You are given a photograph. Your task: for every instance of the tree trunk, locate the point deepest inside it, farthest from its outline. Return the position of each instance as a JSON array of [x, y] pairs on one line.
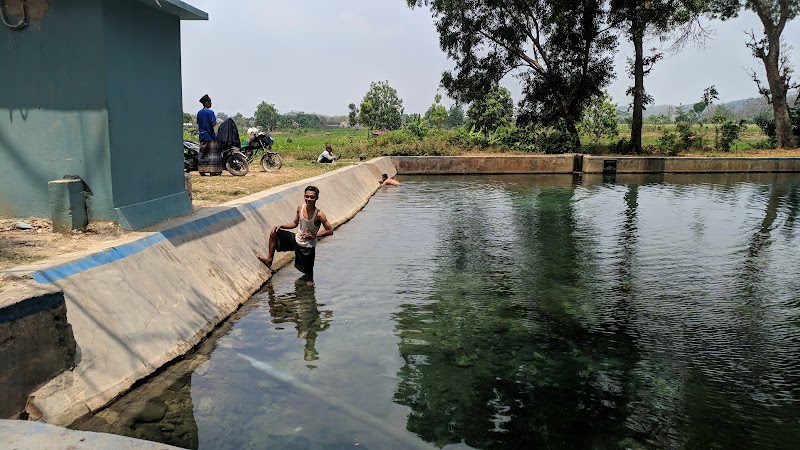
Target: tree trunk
[[780, 107], [574, 136], [637, 36], [777, 86]]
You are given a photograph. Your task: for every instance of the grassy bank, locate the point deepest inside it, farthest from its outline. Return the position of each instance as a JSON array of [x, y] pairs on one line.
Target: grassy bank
[[354, 144]]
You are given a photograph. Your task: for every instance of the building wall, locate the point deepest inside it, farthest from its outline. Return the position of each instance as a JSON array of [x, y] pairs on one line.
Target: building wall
[[53, 115], [93, 88], [143, 64]]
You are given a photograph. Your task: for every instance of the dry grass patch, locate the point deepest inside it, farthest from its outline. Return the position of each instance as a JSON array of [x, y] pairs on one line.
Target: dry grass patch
[[212, 191]]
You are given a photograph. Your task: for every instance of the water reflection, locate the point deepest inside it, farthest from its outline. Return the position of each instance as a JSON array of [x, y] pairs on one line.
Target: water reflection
[[584, 332], [301, 309], [516, 311]]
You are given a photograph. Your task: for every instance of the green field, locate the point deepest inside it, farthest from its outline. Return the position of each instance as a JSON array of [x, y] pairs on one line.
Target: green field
[[354, 144]]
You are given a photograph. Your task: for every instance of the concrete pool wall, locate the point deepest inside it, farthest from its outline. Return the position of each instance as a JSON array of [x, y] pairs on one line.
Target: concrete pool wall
[[138, 305], [143, 302]]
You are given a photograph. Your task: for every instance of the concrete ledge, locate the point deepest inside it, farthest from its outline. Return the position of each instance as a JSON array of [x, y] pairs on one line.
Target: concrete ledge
[[36, 342], [430, 165], [636, 164], [136, 306], [41, 436]]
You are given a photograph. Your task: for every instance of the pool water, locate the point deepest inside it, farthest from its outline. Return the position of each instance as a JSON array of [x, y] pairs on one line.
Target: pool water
[[507, 312]]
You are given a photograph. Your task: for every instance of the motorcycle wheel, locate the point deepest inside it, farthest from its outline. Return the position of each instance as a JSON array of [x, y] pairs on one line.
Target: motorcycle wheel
[[271, 163], [237, 165]]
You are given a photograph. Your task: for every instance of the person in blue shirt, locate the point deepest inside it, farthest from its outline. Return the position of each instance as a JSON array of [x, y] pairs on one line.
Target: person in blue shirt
[[210, 160]]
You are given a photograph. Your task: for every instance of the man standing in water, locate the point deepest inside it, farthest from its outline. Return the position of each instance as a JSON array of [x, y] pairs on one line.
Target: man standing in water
[[309, 219]]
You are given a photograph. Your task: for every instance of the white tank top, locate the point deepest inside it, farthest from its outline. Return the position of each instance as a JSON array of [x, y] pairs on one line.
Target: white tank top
[[307, 225]]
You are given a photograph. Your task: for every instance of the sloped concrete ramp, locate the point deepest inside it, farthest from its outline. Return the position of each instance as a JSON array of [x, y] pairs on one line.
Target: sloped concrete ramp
[[138, 305]]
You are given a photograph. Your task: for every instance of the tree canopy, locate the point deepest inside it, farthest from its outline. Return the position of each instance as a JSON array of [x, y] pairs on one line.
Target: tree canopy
[[559, 49], [491, 111], [436, 114], [773, 14], [381, 108], [637, 20], [266, 116]]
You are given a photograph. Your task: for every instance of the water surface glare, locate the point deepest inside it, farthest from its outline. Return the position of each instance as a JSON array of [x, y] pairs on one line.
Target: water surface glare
[[508, 312]]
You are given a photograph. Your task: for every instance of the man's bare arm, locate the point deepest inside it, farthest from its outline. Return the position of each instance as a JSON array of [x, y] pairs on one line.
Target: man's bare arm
[[323, 219], [289, 226]]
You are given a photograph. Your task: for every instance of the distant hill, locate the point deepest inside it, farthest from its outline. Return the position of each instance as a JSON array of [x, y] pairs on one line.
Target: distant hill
[[746, 108]]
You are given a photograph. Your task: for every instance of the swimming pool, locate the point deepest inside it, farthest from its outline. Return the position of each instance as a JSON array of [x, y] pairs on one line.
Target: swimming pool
[[509, 311]]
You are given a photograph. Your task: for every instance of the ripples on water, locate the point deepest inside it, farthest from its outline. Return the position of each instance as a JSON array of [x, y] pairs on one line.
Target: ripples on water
[[516, 311]]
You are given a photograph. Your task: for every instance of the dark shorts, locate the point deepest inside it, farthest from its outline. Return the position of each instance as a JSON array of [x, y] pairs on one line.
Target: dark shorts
[[303, 256]]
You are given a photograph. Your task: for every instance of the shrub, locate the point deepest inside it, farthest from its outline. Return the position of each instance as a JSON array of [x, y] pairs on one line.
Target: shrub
[[767, 125], [622, 147], [729, 132], [689, 139], [668, 143], [554, 142]]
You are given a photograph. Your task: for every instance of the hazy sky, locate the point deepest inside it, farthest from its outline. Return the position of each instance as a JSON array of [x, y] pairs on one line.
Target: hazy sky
[[320, 55]]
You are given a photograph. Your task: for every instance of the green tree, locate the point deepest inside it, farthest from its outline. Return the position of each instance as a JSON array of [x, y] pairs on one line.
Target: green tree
[[240, 121], [491, 111], [187, 118], [773, 14], [352, 116], [455, 116], [266, 116], [600, 118], [417, 126], [639, 19], [709, 95], [221, 115], [381, 108], [559, 49], [436, 114]]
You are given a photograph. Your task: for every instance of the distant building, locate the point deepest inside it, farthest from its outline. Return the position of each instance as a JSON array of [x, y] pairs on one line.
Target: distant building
[[92, 88]]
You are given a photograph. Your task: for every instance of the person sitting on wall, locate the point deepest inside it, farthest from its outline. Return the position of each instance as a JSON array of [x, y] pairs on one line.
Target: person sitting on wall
[[327, 156], [386, 181]]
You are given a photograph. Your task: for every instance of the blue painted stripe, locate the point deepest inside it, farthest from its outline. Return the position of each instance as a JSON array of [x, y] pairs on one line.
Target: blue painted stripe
[[117, 253]]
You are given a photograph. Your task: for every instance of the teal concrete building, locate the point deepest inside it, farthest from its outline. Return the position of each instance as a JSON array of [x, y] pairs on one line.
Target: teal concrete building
[[92, 88]]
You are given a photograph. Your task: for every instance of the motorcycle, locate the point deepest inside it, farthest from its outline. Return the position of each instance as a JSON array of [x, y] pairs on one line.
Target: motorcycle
[[232, 159], [259, 140]]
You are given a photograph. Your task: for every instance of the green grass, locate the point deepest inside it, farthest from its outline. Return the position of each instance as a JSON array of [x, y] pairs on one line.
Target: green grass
[[353, 144]]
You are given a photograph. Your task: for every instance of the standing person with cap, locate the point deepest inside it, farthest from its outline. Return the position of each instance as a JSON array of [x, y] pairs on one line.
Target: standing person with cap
[[210, 160]]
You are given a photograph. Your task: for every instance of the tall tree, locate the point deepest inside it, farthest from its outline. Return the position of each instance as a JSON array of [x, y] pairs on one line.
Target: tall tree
[[493, 110], [558, 49], [773, 14], [381, 108], [455, 116], [352, 116], [437, 113], [639, 20], [600, 118], [266, 116]]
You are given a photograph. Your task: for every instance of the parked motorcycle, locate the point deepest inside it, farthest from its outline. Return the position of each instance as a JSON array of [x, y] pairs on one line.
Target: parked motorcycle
[[232, 159], [259, 140]]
